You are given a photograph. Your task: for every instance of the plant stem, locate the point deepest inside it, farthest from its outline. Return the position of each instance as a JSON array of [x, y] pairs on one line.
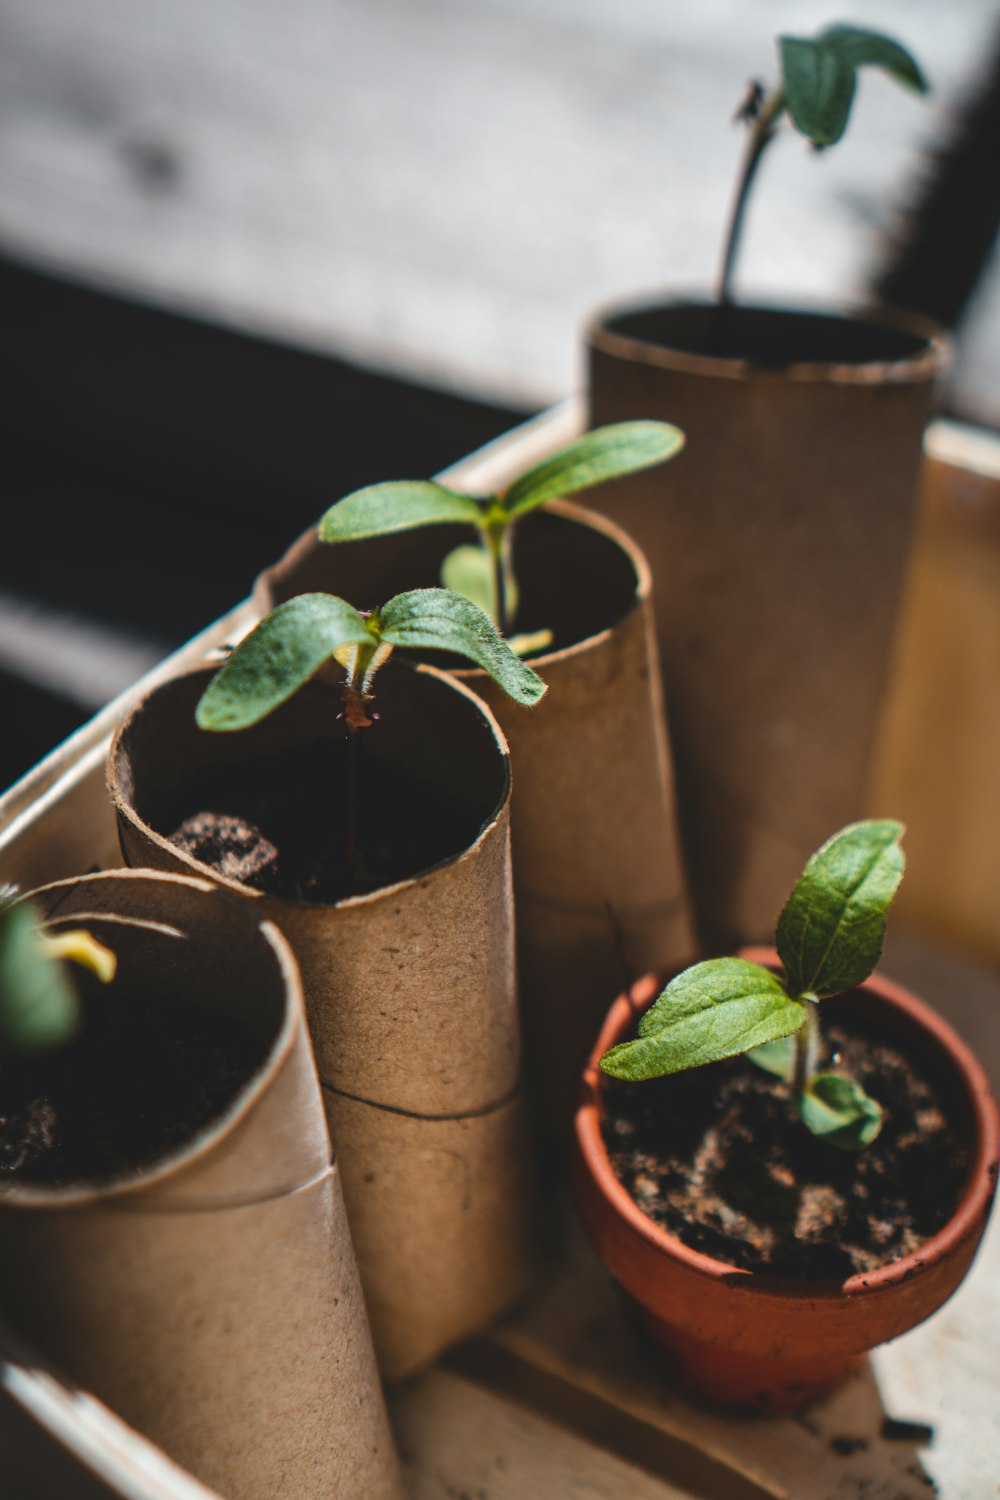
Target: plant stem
[[805, 1040], [497, 546], [353, 802], [357, 716], [761, 135]]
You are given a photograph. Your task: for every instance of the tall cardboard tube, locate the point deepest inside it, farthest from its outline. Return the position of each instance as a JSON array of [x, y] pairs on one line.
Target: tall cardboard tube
[[778, 541], [211, 1298], [598, 879], [409, 989]]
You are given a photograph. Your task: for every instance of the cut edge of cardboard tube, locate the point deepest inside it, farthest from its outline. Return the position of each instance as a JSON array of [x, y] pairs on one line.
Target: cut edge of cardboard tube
[[235, 1258]]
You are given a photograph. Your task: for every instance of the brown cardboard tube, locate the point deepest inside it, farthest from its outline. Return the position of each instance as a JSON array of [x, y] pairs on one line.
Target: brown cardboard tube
[[778, 541], [410, 989], [211, 1298], [599, 885]]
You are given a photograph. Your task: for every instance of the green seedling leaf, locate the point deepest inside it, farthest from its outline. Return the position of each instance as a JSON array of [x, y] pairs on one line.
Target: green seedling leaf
[[714, 1010], [607, 453], [445, 621], [400, 505], [820, 76], [839, 1110], [858, 47], [775, 1057], [277, 658], [38, 1005], [819, 88], [469, 571], [831, 931]]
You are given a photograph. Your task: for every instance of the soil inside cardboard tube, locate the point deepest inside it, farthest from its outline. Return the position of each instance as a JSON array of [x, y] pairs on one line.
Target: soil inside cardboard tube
[[138, 1081], [278, 824], [717, 1157]]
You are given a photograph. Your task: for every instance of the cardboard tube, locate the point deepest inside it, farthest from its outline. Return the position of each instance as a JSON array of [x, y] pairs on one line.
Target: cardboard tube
[[778, 541], [212, 1298], [410, 989], [599, 884]]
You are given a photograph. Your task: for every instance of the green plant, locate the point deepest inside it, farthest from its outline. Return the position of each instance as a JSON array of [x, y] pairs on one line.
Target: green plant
[[484, 572], [39, 1007], [816, 92], [297, 638], [829, 939]]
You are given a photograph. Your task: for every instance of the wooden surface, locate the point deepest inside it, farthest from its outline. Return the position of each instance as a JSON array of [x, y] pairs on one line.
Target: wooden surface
[[446, 189], [938, 766]]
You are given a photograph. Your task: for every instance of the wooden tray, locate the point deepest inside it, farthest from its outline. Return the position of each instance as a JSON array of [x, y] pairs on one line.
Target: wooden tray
[[563, 1401]]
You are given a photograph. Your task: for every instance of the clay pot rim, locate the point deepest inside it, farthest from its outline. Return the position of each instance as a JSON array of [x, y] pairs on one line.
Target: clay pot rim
[[566, 510], [967, 1220], [201, 872], [911, 369], [169, 1165]]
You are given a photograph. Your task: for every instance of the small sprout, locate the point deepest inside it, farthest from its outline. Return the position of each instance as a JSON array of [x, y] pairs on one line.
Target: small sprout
[[484, 573], [39, 1007], [290, 645], [816, 93], [829, 939]]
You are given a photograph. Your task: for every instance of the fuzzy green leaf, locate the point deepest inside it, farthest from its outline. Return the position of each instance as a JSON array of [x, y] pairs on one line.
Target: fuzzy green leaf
[[831, 931], [446, 621], [820, 76], [277, 658], [839, 1110], [396, 506], [713, 1010], [607, 453], [38, 1004]]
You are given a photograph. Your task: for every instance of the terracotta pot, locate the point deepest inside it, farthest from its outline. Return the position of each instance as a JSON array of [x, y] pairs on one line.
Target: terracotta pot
[[599, 886], [778, 540], [211, 1299], [771, 1343], [410, 989]]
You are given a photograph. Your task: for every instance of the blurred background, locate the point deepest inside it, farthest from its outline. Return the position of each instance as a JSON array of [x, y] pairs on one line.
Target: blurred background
[[254, 254]]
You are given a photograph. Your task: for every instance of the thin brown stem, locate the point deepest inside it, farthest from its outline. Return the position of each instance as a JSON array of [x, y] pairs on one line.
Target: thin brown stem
[[805, 1045], [357, 715], [760, 137], [351, 810]]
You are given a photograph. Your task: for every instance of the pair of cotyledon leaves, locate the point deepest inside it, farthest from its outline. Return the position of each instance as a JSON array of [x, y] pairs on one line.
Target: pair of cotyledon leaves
[[38, 1004], [607, 453], [819, 76], [297, 638], [829, 939]]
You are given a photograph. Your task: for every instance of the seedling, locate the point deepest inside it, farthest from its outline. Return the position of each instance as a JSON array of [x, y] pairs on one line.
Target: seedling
[[829, 939], [816, 92], [290, 645], [39, 1007], [484, 572]]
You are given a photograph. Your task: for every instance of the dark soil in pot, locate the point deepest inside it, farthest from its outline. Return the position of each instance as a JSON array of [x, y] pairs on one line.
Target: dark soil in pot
[[138, 1082], [267, 806], [717, 1157], [278, 825], [767, 337]]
